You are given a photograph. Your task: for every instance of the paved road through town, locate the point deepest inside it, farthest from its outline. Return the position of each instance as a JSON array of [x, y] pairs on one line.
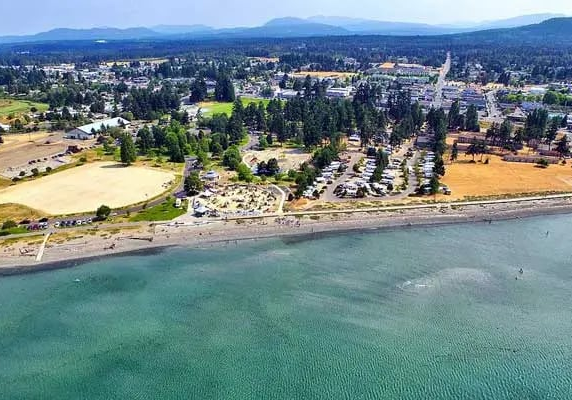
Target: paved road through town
[[493, 112], [438, 99]]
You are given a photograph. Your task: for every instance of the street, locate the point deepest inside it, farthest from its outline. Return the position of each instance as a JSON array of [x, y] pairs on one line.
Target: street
[[438, 99]]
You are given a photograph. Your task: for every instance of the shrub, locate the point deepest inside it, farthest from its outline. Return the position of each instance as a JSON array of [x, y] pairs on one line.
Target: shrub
[[103, 212], [244, 173], [9, 225]]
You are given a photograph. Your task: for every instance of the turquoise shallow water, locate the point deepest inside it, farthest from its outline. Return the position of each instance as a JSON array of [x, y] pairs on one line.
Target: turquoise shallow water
[[430, 313]]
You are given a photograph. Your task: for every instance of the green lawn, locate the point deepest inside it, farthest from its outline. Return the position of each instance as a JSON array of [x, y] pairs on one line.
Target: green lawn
[[16, 107], [165, 211], [13, 231], [211, 107]]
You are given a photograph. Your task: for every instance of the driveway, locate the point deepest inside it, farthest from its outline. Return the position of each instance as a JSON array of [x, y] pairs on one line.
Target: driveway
[[329, 195]]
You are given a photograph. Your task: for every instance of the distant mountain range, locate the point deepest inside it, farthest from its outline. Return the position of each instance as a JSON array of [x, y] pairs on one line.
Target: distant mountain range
[[288, 27]]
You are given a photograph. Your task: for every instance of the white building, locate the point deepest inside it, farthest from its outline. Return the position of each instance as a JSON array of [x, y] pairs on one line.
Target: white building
[[339, 92], [287, 94], [4, 127], [89, 131]]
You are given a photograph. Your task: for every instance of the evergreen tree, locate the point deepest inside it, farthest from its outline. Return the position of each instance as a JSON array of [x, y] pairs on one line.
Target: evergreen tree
[[454, 152], [127, 150], [505, 132], [284, 82], [552, 130], [198, 90], [193, 184], [563, 147], [261, 117], [472, 119], [174, 148], [145, 140], [454, 115], [224, 89]]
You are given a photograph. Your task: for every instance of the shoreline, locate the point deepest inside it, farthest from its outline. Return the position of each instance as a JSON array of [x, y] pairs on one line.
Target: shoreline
[[80, 251]]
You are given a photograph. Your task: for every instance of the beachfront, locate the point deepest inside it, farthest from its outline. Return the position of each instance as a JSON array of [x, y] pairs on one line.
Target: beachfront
[[21, 256]]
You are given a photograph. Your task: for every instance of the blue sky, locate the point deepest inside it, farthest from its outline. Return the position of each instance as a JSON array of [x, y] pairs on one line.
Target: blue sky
[[40, 15]]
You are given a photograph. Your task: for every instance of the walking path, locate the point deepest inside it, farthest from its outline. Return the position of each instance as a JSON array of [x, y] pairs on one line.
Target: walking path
[[280, 209], [43, 247]]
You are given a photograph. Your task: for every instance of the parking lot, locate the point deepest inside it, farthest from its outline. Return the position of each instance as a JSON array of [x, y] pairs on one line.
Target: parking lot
[[23, 152]]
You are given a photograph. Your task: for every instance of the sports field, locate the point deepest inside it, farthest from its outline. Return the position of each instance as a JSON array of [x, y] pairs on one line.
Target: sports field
[[85, 188], [208, 108], [18, 107], [499, 178]]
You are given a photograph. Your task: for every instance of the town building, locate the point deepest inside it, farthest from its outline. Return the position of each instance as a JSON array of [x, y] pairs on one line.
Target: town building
[[89, 131]]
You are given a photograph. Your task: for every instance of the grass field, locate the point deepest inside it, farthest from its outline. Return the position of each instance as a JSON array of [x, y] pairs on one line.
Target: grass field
[[4, 183], [165, 211], [13, 231], [18, 107], [500, 178], [211, 107], [17, 213], [85, 188]]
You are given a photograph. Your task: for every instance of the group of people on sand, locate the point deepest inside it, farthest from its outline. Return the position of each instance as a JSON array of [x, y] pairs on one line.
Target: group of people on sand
[[287, 222]]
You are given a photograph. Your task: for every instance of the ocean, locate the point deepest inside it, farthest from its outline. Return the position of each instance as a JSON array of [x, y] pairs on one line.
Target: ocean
[[417, 313]]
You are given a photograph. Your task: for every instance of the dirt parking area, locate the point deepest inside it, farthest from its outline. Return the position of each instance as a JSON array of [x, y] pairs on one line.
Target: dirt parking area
[[467, 179], [287, 158], [85, 188], [19, 149]]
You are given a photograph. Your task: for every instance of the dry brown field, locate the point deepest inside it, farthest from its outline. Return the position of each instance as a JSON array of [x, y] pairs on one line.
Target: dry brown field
[[83, 189]]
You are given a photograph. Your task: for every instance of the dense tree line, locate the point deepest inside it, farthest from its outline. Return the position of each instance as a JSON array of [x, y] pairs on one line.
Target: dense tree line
[[498, 53], [149, 104]]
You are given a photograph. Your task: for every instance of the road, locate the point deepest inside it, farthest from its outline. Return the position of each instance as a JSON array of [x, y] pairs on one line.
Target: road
[[438, 99], [252, 144], [329, 195], [493, 112], [413, 183]]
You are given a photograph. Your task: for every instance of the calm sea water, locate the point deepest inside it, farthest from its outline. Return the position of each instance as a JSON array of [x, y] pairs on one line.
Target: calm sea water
[[430, 313]]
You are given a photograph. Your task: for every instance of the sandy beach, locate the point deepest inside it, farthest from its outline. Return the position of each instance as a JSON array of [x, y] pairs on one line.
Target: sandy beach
[[20, 257]]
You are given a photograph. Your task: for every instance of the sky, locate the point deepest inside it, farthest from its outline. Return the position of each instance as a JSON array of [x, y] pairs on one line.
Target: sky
[[41, 15]]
